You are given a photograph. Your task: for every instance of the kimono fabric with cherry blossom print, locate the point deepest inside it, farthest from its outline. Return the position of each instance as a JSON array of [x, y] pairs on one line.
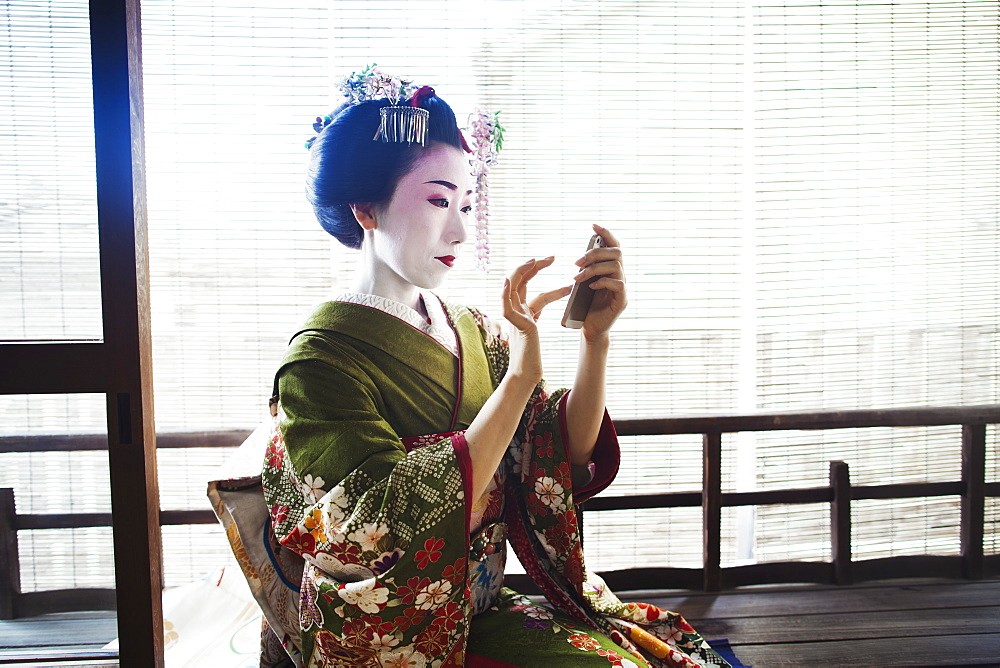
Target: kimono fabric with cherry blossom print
[[367, 476]]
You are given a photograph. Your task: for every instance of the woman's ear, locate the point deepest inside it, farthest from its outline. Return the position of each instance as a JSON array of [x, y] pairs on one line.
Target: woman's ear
[[364, 213]]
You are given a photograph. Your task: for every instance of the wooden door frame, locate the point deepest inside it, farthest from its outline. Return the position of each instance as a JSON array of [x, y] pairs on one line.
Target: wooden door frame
[[120, 365]]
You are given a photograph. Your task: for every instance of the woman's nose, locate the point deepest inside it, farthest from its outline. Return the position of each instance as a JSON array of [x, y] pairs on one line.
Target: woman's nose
[[457, 232]]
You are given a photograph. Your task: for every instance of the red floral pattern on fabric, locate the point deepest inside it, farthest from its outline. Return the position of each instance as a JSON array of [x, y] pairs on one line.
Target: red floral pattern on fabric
[[575, 570], [334, 651], [275, 456], [345, 552], [644, 612], [356, 631], [536, 506], [408, 593], [563, 535], [279, 513], [376, 627], [300, 541], [533, 567], [455, 573], [563, 474], [433, 640], [583, 642], [410, 617], [451, 615], [430, 553], [681, 623], [543, 445]]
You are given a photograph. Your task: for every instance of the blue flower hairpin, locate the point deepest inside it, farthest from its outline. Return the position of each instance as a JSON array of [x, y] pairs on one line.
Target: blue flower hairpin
[[318, 126]]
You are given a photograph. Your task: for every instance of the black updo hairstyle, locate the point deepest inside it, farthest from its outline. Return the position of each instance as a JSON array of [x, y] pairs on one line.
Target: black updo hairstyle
[[347, 166]]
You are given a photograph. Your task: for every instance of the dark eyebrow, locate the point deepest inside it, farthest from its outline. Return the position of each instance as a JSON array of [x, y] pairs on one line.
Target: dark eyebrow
[[449, 185]]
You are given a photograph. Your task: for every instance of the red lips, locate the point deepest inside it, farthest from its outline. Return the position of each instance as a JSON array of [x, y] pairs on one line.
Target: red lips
[[447, 259]]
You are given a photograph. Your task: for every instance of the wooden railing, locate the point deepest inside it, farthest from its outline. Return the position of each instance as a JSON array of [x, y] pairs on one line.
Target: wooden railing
[[972, 489]]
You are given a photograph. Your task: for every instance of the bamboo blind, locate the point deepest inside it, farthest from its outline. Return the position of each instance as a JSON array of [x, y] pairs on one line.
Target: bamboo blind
[[806, 194]]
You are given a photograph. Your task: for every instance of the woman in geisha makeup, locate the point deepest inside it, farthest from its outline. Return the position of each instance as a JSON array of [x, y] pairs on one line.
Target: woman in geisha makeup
[[414, 442]]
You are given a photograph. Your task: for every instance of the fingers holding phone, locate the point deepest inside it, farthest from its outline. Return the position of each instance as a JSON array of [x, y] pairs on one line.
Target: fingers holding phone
[[598, 293], [604, 259], [581, 296]]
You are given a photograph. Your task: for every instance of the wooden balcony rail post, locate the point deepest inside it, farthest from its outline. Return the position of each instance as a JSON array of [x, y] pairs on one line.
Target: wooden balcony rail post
[[711, 509], [973, 499], [10, 577], [840, 523]]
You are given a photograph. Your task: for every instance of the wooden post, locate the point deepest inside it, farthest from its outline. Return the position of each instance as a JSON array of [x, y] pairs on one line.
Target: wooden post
[[711, 509], [973, 499], [116, 56], [840, 523], [10, 577]]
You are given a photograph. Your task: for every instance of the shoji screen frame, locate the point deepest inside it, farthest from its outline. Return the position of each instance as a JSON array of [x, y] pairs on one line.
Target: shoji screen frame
[[120, 365]]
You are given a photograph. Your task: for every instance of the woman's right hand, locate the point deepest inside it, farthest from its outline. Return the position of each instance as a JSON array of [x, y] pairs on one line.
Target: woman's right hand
[[525, 350], [492, 429]]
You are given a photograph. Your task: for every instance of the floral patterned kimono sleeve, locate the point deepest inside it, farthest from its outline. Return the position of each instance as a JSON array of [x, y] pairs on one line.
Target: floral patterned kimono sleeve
[[384, 532], [541, 512]]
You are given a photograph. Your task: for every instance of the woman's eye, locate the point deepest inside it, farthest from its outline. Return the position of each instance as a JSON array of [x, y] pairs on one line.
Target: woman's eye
[[439, 202], [466, 209]]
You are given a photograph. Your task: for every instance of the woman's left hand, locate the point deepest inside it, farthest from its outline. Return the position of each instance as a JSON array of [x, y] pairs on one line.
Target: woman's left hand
[[610, 299]]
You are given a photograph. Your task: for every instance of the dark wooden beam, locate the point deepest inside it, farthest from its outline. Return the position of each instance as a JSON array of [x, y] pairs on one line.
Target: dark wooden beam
[[182, 517], [653, 578], [70, 442], [41, 367], [81, 520], [730, 499], [711, 509], [230, 438], [10, 565], [916, 566], [35, 603], [775, 496], [63, 521], [632, 502], [776, 572], [906, 490], [840, 523], [121, 205], [893, 417], [54, 443], [59, 656], [991, 565], [629, 579], [973, 499]]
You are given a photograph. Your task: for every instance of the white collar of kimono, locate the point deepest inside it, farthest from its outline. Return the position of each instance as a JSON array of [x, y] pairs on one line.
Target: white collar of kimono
[[438, 327]]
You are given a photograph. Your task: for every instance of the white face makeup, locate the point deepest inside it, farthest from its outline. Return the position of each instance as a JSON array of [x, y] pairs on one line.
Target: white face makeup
[[418, 233]]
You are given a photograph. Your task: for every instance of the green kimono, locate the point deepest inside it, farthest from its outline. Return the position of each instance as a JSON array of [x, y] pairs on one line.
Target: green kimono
[[367, 477]]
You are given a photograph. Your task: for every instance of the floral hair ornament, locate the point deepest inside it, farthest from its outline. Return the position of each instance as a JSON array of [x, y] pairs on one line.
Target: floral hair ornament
[[400, 123], [406, 124], [486, 134]]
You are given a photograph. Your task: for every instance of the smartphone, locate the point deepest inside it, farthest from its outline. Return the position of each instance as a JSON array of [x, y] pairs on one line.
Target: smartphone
[[580, 299]]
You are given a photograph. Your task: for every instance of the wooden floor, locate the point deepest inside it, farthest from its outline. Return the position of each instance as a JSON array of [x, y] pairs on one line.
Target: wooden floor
[[43, 640], [894, 623]]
